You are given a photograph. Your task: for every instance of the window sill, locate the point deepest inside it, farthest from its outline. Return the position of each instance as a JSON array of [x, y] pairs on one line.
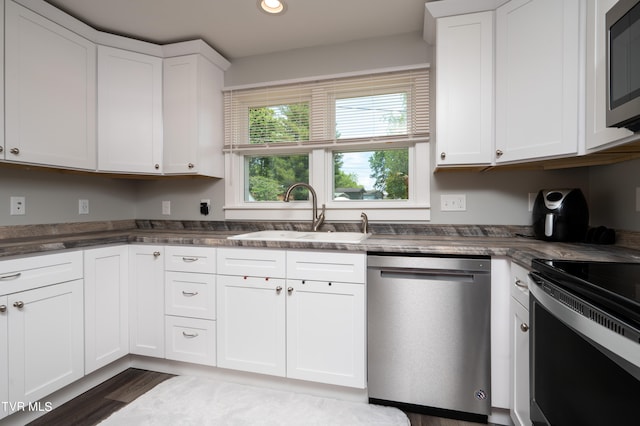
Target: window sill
[[393, 212]]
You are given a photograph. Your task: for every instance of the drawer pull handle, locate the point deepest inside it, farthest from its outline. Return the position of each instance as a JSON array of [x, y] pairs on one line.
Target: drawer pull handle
[[3, 308], [189, 259], [189, 293], [189, 335], [11, 277], [19, 304], [524, 327], [521, 284]]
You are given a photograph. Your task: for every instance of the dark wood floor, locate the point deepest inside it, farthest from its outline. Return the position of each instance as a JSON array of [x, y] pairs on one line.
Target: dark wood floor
[[97, 404]]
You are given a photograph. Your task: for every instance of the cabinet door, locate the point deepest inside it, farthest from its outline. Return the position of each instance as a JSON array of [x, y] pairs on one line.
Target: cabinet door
[[4, 366], [597, 133], [146, 300], [129, 111], [46, 349], [50, 92], [465, 93], [251, 324], [519, 364], [106, 298], [538, 84], [326, 332], [193, 116]]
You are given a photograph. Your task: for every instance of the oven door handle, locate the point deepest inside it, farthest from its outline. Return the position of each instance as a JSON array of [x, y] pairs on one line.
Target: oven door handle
[[536, 277]]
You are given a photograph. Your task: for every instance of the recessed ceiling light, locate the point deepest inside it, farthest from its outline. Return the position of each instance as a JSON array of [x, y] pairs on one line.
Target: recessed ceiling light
[[272, 7]]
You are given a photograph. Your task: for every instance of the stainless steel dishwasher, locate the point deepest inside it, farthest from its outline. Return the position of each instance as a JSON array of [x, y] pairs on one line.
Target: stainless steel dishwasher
[[429, 334]]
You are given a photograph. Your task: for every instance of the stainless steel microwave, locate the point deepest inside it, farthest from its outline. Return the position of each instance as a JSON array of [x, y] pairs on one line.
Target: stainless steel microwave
[[623, 65]]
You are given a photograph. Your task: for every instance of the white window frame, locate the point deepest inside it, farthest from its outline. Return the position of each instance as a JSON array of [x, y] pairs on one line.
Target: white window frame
[[415, 208]]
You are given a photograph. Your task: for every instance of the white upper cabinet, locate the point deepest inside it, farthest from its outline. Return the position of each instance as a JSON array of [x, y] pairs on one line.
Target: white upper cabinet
[[464, 88], [193, 116], [50, 92], [538, 79], [597, 133], [129, 112]]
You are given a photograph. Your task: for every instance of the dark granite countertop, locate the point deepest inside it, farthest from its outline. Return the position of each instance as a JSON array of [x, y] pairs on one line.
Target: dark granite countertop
[[470, 240]]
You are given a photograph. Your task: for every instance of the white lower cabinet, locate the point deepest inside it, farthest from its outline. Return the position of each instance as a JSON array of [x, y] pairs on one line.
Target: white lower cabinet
[[106, 301], [325, 332], [41, 326], [302, 328], [251, 324], [146, 300], [520, 346], [45, 340], [190, 304]]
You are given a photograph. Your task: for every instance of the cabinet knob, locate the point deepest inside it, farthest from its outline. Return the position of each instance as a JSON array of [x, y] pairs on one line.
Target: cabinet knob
[[290, 290], [156, 254], [278, 289], [15, 151], [524, 327], [3, 308], [443, 155], [499, 153], [1, 148], [157, 166], [191, 165], [19, 304]]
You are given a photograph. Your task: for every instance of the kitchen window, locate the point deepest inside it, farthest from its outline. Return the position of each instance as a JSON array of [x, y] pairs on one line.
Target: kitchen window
[[361, 142]]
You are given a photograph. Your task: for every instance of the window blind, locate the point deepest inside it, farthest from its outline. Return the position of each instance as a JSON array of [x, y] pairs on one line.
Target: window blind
[[390, 107]]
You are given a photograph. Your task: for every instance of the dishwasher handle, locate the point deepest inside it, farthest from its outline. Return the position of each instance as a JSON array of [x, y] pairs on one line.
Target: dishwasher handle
[[427, 275]]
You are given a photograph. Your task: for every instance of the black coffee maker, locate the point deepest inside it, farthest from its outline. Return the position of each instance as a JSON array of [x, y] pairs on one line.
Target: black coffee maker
[[560, 215]]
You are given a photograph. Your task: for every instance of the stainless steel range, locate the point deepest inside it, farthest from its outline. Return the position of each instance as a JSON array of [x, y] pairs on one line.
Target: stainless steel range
[[585, 343]]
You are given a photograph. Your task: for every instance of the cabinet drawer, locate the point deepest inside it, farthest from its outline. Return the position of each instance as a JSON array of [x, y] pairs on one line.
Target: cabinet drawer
[[252, 262], [326, 266], [520, 283], [190, 259], [37, 271], [190, 295], [190, 340]]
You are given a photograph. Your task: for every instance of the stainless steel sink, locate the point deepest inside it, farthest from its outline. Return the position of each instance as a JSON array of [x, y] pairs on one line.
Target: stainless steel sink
[[283, 235]]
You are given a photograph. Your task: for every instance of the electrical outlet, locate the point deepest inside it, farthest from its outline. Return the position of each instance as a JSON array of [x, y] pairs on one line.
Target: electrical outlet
[[205, 207], [453, 202], [83, 206], [18, 206], [166, 208]]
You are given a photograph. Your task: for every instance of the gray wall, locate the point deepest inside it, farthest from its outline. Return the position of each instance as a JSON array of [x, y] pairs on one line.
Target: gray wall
[[498, 196], [356, 56], [52, 197], [613, 196]]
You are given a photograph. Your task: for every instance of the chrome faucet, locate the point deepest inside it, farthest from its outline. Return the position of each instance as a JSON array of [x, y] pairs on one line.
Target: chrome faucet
[[365, 222], [316, 221]]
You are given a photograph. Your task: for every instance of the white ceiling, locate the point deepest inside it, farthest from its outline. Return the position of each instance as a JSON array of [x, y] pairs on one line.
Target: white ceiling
[[236, 28]]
